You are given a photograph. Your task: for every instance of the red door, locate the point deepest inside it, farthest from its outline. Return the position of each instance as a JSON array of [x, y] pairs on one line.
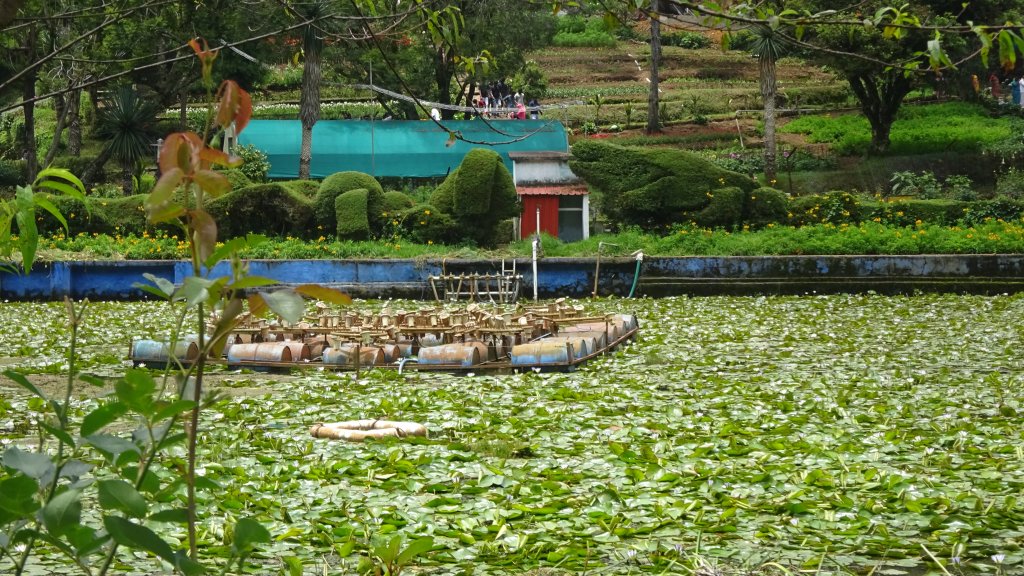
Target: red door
[[548, 206]]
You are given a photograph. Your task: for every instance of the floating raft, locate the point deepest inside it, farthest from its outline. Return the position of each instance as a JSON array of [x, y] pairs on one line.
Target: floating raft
[[474, 339]]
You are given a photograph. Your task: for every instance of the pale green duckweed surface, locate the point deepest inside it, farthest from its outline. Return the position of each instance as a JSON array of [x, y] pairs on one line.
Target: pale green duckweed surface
[[854, 433]]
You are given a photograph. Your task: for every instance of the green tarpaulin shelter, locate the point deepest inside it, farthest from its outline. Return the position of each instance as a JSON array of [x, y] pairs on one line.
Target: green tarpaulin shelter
[[403, 148]]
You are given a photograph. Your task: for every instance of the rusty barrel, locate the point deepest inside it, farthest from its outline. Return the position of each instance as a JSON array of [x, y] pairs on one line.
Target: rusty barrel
[[345, 355], [464, 355], [157, 351], [542, 352], [582, 346], [600, 337], [391, 353], [300, 350], [261, 352], [430, 340], [487, 353]]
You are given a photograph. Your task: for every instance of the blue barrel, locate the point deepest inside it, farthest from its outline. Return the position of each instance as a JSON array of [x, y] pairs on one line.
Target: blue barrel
[[157, 351], [541, 353], [463, 355]]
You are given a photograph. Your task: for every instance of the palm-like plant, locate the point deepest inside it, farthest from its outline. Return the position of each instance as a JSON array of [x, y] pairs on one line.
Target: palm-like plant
[[127, 121], [768, 46]]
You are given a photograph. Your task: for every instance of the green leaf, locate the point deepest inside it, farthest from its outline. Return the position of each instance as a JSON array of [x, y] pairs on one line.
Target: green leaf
[[214, 183], [101, 416], [51, 178], [112, 445], [293, 564], [165, 286], [172, 409], [194, 290], [234, 245], [17, 495], [128, 533], [248, 533], [286, 304], [49, 207], [120, 495], [22, 381], [414, 549], [171, 515], [163, 190], [58, 433], [136, 389], [63, 512], [31, 464]]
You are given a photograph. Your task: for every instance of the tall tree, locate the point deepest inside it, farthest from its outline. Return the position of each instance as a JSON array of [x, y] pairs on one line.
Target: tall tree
[[312, 75], [653, 97]]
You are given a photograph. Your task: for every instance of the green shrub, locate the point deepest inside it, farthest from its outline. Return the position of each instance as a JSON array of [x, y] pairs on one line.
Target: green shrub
[[307, 188], [478, 195], [77, 165], [255, 163], [237, 178], [336, 184], [725, 209], [427, 224], [910, 212], [595, 34], [765, 206], [1006, 209], [13, 173], [351, 208], [121, 215], [653, 188], [684, 39], [269, 209], [396, 202]]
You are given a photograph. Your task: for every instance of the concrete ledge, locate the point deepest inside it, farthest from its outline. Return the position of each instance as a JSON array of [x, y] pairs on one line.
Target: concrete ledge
[[988, 273]]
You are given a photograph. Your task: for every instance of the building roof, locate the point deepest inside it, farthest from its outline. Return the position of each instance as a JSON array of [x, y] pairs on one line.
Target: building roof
[[402, 148], [565, 190]]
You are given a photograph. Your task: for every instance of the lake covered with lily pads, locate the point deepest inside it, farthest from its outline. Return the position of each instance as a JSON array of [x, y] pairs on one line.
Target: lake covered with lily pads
[[847, 432]]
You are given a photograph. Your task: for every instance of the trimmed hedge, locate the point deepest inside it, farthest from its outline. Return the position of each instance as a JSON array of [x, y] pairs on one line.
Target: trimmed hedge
[[307, 188], [351, 214], [654, 188], [765, 206], [124, 215], [270, 209], [337, 184], [237, 178], [478, 195], [725, 209], [396, 203], [427, 224]]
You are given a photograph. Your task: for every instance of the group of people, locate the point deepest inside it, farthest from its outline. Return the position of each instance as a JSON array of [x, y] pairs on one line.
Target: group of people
[[496, 99]]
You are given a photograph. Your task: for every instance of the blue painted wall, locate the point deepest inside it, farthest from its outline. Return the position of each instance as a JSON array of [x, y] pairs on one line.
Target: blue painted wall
[[558, 276]]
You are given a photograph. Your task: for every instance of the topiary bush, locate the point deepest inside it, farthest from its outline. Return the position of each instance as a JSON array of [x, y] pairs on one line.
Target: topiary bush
[[351, 210], [478, 195], [725, 209], [427, 224], [765, 206], [653, 188], [338, 183], [121, 215], [307, 188], [396, 202], [269, 209], [237, 178]]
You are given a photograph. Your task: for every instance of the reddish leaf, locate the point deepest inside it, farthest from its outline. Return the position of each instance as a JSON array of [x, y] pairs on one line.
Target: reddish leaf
[[244, 112], [214, 156], [181, 150], [213, 183], [257, 306], [324, 293], [227, 103], [205, 235], [164, 212]]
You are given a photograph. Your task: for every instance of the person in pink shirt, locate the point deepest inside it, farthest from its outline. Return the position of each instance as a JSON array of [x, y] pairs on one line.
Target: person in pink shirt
[[520, 111]]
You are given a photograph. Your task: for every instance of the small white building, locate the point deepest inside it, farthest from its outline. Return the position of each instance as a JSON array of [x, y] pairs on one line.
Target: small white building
[[554, 199]]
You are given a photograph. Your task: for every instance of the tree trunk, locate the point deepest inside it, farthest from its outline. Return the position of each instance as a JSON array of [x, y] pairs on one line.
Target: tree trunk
[[443, 73], [183, 109], [768, 92], [75, 123], [61, 107], [309, 100], [89, 177], [880, 100], [653, 120], [127, 182], [29, 93]]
